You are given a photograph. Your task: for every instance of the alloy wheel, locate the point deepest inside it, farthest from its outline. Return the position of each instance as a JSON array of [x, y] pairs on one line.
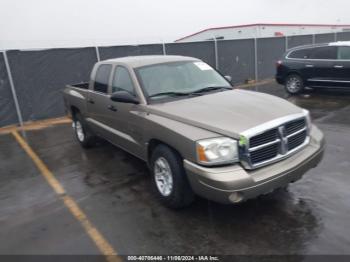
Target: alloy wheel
[[163, 176], [294, 84], [79, 131]]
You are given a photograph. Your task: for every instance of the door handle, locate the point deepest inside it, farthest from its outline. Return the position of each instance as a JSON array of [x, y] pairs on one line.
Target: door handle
[[91, 101], [112, 108], [309, 65], [338, 66]]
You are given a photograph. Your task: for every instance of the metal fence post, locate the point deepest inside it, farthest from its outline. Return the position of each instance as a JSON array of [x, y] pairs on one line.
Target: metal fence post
[[256, 59], [216, 53], [97, 54], [13, 90], [313, 39], [286, 43], [335, 37], [164, 48]]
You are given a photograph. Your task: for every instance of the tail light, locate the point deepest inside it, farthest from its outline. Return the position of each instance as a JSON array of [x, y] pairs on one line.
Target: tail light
[[278, 63]]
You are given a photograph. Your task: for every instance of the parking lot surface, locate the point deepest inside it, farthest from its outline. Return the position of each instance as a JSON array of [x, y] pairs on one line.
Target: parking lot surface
[[113, 189]]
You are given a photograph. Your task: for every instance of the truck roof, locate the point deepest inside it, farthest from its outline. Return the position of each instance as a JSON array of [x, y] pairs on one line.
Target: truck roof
[[138, 61]]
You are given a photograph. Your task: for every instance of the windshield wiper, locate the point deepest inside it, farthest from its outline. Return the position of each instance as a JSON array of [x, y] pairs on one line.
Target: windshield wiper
[[211, 88], [170, 94], [197, 92]]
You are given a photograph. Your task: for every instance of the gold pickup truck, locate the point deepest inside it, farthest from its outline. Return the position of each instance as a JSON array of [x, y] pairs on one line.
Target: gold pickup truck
[[197, 133]]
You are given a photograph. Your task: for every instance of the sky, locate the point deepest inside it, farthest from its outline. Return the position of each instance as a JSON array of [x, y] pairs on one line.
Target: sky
[[26, 24]]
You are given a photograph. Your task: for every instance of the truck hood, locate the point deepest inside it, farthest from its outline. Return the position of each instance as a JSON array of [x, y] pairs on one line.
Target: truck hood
[[228, 113]]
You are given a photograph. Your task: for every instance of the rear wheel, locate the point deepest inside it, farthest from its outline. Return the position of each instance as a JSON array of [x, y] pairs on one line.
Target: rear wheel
[[294, 84], [169, 178], [82, 133]]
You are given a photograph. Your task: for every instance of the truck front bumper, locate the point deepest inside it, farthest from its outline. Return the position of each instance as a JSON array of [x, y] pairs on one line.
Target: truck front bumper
[[233, 184]]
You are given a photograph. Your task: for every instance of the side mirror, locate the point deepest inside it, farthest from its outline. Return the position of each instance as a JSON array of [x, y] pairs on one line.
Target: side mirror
[[228, 78], [124, 97]]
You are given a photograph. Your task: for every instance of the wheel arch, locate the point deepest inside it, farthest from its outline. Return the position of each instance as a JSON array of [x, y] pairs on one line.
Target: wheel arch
[[294, 72], [153, 143], [74, 111]]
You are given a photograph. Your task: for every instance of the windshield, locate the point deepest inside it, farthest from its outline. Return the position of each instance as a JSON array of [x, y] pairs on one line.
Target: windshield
[[178, 77]]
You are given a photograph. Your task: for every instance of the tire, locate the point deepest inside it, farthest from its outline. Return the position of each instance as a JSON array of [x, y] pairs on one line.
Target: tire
[[166, 165], [82, 132], [294, 84]]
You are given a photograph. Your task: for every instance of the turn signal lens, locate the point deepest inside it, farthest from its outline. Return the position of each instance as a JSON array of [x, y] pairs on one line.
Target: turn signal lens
[[201, 154]]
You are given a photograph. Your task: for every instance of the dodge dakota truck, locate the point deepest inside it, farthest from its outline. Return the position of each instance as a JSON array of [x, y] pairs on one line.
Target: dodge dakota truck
[[198, 134]]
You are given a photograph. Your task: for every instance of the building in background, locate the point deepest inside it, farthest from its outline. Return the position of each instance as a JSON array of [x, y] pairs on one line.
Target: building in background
[[262, 30]]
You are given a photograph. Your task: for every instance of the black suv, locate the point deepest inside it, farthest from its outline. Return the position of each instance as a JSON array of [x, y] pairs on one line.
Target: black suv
[[323, 65]]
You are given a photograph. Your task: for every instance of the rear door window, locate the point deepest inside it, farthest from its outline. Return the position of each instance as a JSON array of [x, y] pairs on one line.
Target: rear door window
[[344, 52], [324, 52], [300, 54], [102, 78]]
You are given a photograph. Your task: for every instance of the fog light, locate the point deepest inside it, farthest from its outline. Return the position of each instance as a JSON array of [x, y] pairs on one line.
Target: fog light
[[236, 197]]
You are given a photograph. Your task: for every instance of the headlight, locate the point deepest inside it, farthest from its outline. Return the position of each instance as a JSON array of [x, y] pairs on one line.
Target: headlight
[[221, 150]]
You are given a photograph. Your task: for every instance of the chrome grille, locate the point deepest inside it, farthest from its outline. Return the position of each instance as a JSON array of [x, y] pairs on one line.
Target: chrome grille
[[264, 138], [275, 143], [264, 153], [296, 140], [294, 126]]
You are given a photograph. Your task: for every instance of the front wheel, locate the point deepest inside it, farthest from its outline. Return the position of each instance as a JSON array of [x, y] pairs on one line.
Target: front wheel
[[169, 178], [294, 84]]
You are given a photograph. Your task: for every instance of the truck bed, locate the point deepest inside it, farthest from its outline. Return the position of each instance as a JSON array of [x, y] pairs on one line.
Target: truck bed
[[76, 95]]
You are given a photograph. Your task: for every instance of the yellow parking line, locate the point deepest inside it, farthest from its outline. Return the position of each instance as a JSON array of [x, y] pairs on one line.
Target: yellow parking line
[[101, 243], [35, 125]]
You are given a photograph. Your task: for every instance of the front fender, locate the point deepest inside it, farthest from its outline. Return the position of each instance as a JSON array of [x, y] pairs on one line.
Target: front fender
[[180, 136]]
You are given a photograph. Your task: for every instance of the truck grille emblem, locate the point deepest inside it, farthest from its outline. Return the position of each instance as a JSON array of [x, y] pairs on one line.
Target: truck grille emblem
[[284, 139]]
